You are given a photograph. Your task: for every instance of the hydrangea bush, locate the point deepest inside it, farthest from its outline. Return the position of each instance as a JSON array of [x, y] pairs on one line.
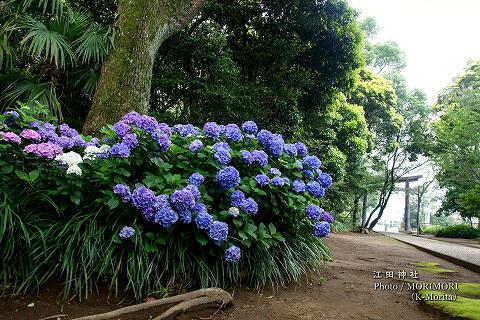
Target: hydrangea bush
[[201, 206]]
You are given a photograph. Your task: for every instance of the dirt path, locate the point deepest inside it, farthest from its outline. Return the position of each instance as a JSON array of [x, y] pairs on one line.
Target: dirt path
[[345, 290]]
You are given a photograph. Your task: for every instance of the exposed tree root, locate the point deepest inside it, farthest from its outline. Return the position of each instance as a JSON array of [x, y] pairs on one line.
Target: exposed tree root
[[209, 297]]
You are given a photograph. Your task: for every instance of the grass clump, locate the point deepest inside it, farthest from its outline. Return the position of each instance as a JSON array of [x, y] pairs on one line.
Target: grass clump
[[432, 267]]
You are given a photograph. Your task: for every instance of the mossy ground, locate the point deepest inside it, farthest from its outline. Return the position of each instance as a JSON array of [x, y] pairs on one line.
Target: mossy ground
[[432, 267], [462, 307]]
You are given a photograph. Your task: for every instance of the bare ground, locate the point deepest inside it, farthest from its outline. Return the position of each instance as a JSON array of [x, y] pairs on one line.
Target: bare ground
[[344, 290]]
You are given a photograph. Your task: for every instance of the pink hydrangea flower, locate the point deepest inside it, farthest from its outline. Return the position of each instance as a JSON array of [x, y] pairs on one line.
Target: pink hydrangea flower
[[12, 137], [30, 134]]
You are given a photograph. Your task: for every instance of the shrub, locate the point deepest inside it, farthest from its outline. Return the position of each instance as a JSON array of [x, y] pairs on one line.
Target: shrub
[[431, 229], [158, 207], [464, 231]]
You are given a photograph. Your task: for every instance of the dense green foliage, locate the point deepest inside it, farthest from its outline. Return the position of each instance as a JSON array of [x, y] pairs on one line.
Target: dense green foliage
[[464, 231], [456, 144]]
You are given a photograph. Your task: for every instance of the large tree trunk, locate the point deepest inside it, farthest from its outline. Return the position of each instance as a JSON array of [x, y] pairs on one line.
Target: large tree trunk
[[126, 75]]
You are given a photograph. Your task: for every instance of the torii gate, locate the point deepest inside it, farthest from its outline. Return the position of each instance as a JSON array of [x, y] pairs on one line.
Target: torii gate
[[406, 215]]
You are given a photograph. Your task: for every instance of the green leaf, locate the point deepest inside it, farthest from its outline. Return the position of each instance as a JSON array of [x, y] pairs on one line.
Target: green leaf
[[7, 170], [76, 197], [201, 239], [160, 240], [278, 236], [113, 203], [253, 183], [22, 175], [150, 248], [272, 229], [242, 235], [237, 222], [244, 188], [151, 236]]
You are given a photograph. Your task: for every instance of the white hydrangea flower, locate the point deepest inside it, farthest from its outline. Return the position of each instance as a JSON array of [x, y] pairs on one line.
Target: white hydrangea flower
[[70, 158], [234, 212], [105, 148], [89, 156], [74, 170], [92, 150]]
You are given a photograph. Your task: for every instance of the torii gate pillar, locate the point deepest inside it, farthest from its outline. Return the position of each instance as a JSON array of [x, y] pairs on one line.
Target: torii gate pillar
[[406, 216]]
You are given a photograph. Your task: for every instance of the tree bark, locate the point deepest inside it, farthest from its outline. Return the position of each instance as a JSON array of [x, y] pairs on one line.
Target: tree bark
[[126, 75]]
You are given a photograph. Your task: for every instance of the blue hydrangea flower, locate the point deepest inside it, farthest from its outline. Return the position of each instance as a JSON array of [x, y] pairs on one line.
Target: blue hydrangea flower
[[78, 141], [126, 232], [298, 186], [65, 142], [290, 149], [260, 157], [232, 254], [120, 150], [13, 113], [313, 212], [249, 127], [211, 130], [194, 190], [223, 156], [218, 232], [321, 229], [227, 178], [237, 198], [249, 205], [262, 180], [200, 208], [121, 129], [233, 133], [185, 217], [222, 129], [143, 198], [130, 139], [325, 180], [264, 137], [314, 189], [277, 181], [163, 141], [302, 150], [123, 191], [162, 201], [131, 118], [186, 129], [147, 123], [275, 145], [275, 172], [166, 217], [182, 200], [203, 220], [196, 179], [312, 162], [286, 180], [195, 146], [308, 173], [221, 146], [327, 217], [246, 156], [164, 128]]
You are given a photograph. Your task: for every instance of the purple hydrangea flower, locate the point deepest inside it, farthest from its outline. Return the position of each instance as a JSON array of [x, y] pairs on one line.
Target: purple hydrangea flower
[[130, 139], [182, 200], [65, 142], [166, 217], [47, 132], [232, 254], [262, 180], [264, 137], [321, 229], [121, 129], [313, 212], [143, 199], [223, 157], [195, 146], [290, 149], [249, 127], [327, 217], [12, 137], [246, 156], [78, 141], [194, 191], [147, 123], [31, 135], [227, 178], [249, 205], [92, 142], [298, 186], [233, 133], [185, 130], [47, 149], [123, 191], [162, 201], [131, 118], [196, 179], [302, 150], [13, 113], [164, 128], [277, 181], [314, 189], [126, 232], [185, 217], [325, 180], [203, 220], [221, 146], [211, 130], [275, 172], [260, 157], [163, 141], [312, 162], [221, 129], [218, 232], [120, 150], [237, 198]]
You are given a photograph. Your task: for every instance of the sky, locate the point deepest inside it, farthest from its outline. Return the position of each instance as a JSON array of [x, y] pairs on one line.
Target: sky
[[439, 37]]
